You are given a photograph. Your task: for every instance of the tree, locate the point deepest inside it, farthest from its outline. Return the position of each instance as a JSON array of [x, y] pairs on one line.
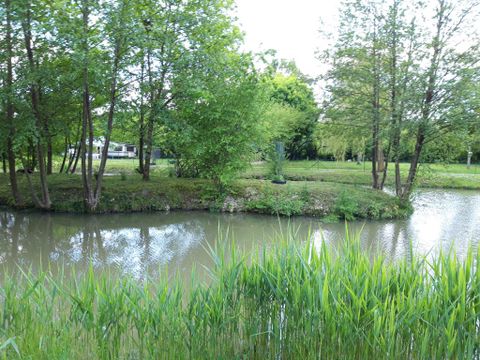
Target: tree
[[171, 42], [445, 71], [216, 129], [116, 30], [409, 76], [7, 104], [355, 82], [292, 92]]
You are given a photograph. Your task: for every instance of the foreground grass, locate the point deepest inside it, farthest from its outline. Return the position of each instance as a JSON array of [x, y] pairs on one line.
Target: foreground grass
[[287, 303], [128, 193]]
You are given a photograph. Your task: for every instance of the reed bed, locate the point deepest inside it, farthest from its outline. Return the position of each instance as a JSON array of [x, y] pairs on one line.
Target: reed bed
[[288, 302]]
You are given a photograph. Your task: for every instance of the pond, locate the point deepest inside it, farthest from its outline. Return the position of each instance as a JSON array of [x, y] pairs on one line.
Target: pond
[[176, 243]]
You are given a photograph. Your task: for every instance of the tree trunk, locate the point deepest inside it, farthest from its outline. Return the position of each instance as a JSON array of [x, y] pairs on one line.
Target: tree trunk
[[469, 157], [4, 162], [141, 137], [76, 156], [380, 159], [76, 152], [148, 150], [93, 193], [111, 112], [64, 154], [32, 157], [412, 173], [87, 126], [43, 202], [385, 166], [49, 153], [150, 122], [376, 112], [10, 111], [428, 100]]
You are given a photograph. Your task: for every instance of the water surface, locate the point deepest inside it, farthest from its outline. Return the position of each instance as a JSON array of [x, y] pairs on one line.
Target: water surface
[[148, 243]]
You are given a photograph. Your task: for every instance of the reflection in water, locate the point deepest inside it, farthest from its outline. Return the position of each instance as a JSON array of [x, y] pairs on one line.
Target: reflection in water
[[146, 244]]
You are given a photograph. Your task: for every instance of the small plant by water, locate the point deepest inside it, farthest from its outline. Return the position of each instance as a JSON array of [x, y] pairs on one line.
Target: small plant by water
[[289, 302]]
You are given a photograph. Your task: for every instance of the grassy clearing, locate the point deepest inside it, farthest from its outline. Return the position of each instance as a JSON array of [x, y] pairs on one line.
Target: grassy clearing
[[449, 176], [286, 303], [127, 193], [430, 175]]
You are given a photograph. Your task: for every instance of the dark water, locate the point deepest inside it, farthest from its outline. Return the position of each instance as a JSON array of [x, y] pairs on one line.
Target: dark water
[[176, 242]]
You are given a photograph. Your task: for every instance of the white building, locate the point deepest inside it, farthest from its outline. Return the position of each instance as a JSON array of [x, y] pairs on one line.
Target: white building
[[115, 150]]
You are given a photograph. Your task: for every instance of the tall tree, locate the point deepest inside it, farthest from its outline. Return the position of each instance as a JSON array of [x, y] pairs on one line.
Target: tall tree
[[415, 74], [41, 126], [8, 102], [446, 64], [116, 31], [355, 82], [175, 37]]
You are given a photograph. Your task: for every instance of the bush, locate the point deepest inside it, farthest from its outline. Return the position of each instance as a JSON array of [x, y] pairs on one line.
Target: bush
[[346, 207], [286, 204]]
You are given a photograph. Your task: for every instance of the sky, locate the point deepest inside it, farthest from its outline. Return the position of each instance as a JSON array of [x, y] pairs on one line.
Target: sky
[[291, 27]]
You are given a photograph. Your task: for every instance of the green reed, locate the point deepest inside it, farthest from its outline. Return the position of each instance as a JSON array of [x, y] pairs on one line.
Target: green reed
[[288, 302]]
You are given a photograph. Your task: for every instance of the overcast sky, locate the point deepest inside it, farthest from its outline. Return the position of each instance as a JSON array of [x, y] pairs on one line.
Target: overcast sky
[[290, 27]]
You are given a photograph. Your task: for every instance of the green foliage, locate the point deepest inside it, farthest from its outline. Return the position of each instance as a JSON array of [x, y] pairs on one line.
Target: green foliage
[[286, 203], [293, 114], [346, 207], [216, 128], [357, 307]]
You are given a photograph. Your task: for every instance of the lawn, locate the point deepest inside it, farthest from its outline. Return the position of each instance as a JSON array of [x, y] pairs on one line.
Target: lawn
[[454, 176]]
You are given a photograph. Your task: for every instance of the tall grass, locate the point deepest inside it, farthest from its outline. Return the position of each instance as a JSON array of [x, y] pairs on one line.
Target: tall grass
[[289, 302]]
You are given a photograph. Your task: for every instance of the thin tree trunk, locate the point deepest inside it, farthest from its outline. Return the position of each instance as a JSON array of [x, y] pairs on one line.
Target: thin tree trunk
[[47, 134], [44, 202], [427, 103], [385, 167], [148, 150], [4, 162], [93, 193], [10, 111], [141, 137], [376, 113], [64, 154], [111, 112], [412, 173], [32, 163], [49, 152], [151, 119], [392, 143], [86, 149], [77, 150]]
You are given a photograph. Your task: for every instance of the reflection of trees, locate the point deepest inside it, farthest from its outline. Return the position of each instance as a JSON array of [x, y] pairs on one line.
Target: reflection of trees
[[9, 244], [133, 243]]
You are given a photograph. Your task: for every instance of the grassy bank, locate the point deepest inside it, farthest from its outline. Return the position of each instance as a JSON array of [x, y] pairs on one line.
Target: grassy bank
[[453, 176], [288, 303], [127, 193]]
